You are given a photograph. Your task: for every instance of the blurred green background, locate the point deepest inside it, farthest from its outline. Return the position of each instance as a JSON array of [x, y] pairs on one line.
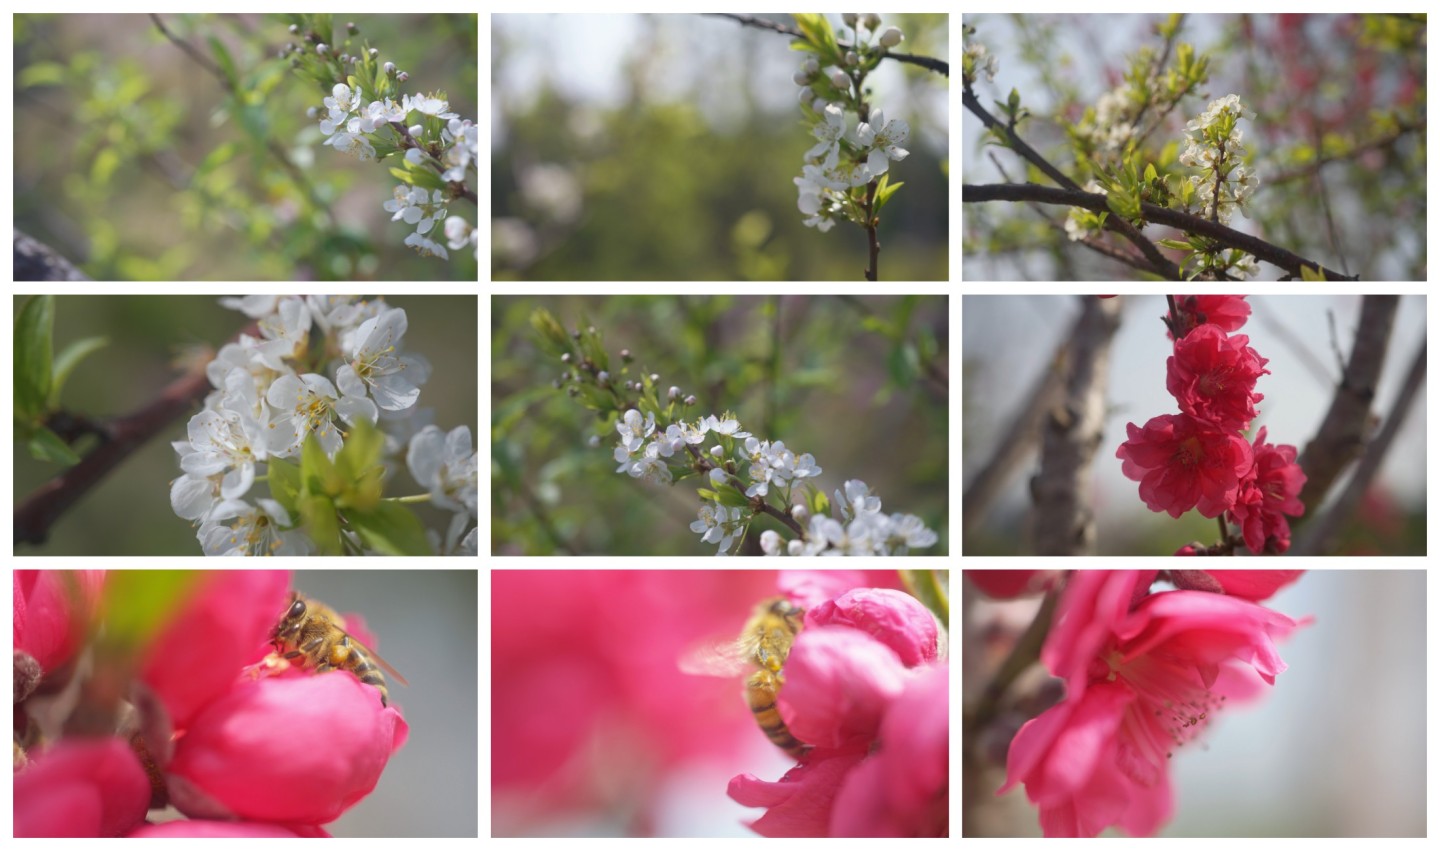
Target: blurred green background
[[663, 147], [129, 512], [861, 383], [136, 164]]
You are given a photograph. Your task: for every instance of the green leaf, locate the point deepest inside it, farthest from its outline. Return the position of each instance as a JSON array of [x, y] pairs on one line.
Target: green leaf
[[46, 445], [284, 478], [403, 175], [1150, 172], [1014, 101], [423, 176], [139, 603], [1183, 245], [392, 529], [66, 362], [728, 494], [34, 352], [883, 193], [1311, 273], [227, 64], [322, 525], [41, 74], [817, 30]]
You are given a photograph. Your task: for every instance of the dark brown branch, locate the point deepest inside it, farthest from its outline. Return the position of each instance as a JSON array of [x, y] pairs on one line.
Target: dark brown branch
[[1159, 263], [1341, 436], [939, 66], [1064, 520], [1227, 236], [872, 273], [1319, 537]]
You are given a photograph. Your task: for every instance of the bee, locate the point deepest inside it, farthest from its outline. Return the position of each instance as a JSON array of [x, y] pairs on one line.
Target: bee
[[761, 650], [314, 632]]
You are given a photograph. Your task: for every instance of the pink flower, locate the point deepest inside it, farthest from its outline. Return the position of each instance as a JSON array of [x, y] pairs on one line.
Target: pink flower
[[1182, 463], [1009, 584], [861, 686], [1213, 377], [1271, 491], [1254, 585], [1163, 669], [294, 749], [207, 829], [222, 626], [52, 611], [1226, 312], [81, 788]]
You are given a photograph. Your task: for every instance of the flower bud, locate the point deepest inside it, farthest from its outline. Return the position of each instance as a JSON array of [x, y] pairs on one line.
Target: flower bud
[[565, 358], [294, 28], [871, 21], [603, 377], [852, 58], [351, 28], [839, 79], [811, 66], [374, 52], [594, 441], [625, 355], [389, 69], [807, 94], [717, 451], [402, 77], [799, 512], [850, 18], [690, 401], [673, 393], [312, 112], [891, 37], [818, 105], [416, 129], [573, 390], [655, 377], [322, 48], [801, 78]]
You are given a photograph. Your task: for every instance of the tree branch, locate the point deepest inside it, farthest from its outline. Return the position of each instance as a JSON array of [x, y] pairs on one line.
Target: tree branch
[[1159, 263], [1341, 436], [1319, 537], [939, 66], [1227, 236], [872, 273], [1064, 521]]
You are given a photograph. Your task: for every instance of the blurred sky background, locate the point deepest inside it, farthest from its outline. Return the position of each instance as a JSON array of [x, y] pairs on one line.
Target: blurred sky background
[[648, 147], [1090, 52], [1009, 339], [128, 512], [1336, 748]]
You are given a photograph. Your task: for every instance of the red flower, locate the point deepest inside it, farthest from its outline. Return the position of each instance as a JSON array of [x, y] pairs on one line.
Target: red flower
[[52, 610], [1182, 463], [861, 685], [1213, 377], [81, 788], [1253, 585], [1009, 584], [1226, 312], [1271, 491], [1140, 682], [294, 749]]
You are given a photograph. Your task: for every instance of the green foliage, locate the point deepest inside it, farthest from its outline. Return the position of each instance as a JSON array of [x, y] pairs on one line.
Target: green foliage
[[137, 604], [40, 376]]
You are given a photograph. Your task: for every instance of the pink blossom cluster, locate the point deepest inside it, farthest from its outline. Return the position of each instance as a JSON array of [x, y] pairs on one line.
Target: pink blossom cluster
[[867, 685], [1145, 674], [1199, 457], [240, 748]]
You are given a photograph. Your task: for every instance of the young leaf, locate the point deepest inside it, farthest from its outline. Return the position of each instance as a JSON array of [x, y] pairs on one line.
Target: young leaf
[[284, 478], [46, 445], [322, 525], [1150, 172], [1311, 273], [883, 193], [34, 351], [1175, 243], [66, 362], [392, 529]]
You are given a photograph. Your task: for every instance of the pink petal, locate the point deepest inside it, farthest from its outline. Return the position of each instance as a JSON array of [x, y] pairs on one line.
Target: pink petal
[[207, 829], [893, 618], [1254, 584], [800, 802], [81, 788], [838, 683], [52, 609]]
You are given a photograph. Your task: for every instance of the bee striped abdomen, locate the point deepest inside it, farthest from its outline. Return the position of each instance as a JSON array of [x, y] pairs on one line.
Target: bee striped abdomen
[[760, 691]]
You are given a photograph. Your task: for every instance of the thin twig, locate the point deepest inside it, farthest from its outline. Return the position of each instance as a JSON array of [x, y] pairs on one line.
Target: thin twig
[[872, 273], [939, 66], [1341, 436], [1319, 537], [1229, 237]]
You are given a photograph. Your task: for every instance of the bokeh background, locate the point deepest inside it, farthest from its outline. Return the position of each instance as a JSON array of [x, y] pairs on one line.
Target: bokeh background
[[663, 147], [129, 512], [134, 162], [595, 732], [1335, 748], [1320, 86], [425, 624], [860, 383], [1008, 341]]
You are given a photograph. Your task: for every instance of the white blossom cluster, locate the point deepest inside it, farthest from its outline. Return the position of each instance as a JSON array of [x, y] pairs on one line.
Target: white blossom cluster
[[266, 402], [841, 159], [349, 126], [857, 528], [1223, 179]]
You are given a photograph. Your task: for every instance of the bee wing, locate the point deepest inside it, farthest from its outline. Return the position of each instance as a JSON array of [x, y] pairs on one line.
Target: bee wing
[[377, 659], [716, 659]]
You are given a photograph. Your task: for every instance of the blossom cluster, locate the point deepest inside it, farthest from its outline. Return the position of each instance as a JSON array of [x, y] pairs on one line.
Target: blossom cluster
[[200, 733], [842, 159], [977, 59], [747, 473], [1213, 145], [414, 125], [1146, 672], [321, 366], [1199, 458]]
